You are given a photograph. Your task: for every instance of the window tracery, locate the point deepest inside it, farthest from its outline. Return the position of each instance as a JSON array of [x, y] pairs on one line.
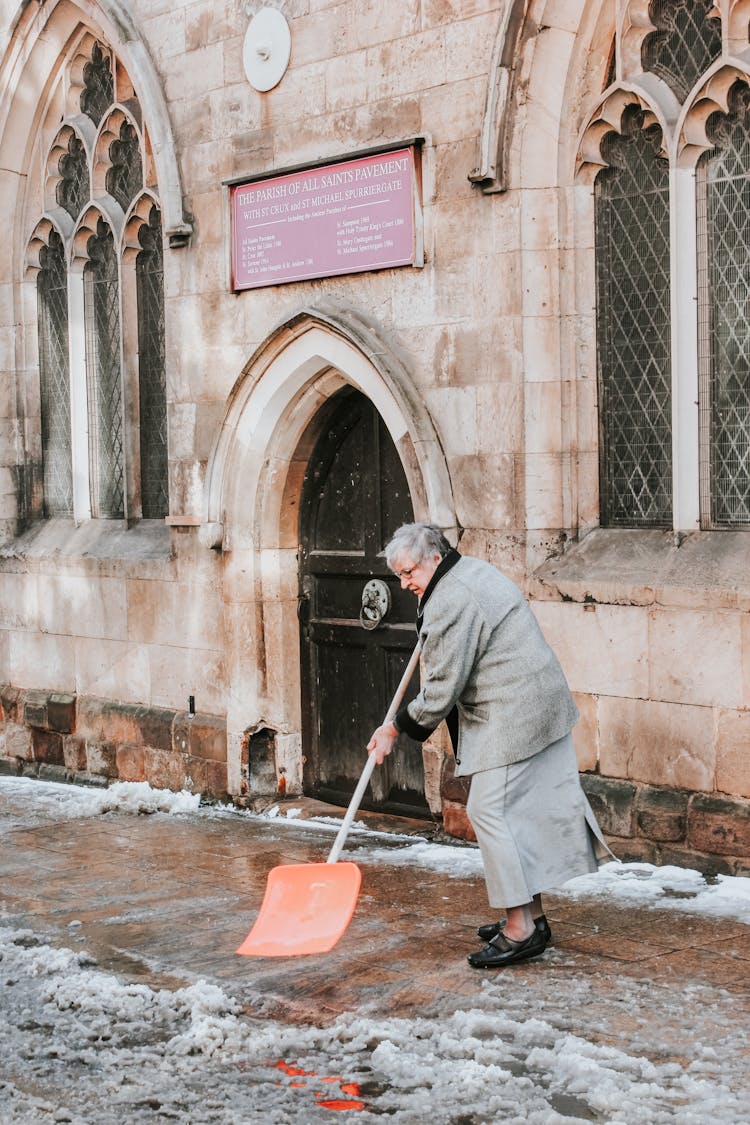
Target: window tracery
[[73, 186], [685, 41], [125, 175], [105, 412], [98, 84], [682, 391]]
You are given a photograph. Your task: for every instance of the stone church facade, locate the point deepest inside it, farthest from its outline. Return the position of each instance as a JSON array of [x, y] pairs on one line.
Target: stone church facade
[[197, 475]]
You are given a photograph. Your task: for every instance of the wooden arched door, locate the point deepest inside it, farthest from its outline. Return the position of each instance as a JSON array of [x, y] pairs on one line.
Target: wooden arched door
[[354, 496]]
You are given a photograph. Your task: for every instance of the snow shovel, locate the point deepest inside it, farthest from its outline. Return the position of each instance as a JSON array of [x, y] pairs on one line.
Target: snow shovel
[[307, 906]]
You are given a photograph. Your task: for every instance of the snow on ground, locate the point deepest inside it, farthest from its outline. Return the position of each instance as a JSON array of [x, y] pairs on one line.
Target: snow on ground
[[643, 884], [77, 1045], [81, 1045]]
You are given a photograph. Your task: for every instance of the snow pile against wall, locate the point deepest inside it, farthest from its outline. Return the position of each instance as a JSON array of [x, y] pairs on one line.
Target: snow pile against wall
[[125, 796]]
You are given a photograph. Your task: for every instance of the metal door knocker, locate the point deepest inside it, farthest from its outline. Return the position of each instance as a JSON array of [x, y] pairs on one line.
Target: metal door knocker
[[376, 601]]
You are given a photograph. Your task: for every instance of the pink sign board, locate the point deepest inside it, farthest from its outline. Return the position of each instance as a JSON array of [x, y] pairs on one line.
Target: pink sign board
[[341, 218]]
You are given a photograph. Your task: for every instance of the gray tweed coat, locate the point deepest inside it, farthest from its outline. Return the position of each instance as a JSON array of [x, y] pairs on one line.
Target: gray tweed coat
[[484, 654]]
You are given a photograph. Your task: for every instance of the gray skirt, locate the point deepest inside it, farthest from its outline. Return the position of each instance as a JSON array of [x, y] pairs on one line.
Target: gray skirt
[[534, 825]]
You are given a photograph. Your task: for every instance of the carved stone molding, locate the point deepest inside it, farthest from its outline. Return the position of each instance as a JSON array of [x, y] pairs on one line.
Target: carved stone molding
[[138, 215], [738, 26], [39, 239], [713, 98], [607, 118], [635, 25], [490, 172]]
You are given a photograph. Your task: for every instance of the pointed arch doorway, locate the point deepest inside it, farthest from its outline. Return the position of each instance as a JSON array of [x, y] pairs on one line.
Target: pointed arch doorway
[[354, 496], [264, 451]]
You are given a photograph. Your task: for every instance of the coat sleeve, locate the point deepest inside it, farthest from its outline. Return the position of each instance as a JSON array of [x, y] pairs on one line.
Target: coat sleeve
[[451, 638]]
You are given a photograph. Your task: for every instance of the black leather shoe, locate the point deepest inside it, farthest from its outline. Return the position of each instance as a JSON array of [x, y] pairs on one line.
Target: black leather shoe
[[492, 929], [503, 951]]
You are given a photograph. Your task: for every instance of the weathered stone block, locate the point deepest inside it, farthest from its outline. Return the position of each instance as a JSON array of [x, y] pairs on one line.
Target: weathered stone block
[[122, 723], [101, 758], [165, 769], [49, 771], [661, 814], [9, 703], [216, 780], [662, 744], [613, 803], [48, 746], [131, 762], [432, 764], [601, 647], [61, 713], [452, 788], [633, 850], [585, 732], [203, 736], [485, 492], [35, 708], [675, 636], [733, 753], [672, 856], [74, 753], [456, 822], [719, 825], [18, 743], [153, 725], [196, 772], [90, 717]]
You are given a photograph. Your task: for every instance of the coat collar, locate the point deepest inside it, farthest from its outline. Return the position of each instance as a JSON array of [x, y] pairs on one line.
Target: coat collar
[[447, 563]]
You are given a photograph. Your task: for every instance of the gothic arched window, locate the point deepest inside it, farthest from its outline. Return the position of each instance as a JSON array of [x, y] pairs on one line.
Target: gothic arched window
[[672, 249], [100, 298]]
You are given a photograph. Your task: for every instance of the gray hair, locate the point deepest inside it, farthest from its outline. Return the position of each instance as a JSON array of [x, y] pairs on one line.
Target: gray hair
[[420, 541]]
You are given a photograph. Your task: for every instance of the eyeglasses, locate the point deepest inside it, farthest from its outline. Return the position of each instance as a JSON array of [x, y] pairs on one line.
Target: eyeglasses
[[406, 572]]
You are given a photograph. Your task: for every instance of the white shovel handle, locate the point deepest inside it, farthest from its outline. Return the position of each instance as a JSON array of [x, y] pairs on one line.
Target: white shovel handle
[[359, 792]]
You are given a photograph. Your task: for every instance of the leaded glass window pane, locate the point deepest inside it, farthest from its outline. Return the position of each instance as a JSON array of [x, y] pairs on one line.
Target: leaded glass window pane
[[54, 375], [73, 188], [152, 375], [725, 179], [685, 43], [98, 91], [633, 328], [102, 314], [125, 177]]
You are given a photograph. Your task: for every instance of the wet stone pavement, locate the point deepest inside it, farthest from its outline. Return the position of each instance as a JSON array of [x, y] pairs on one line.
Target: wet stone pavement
[[164, 901]]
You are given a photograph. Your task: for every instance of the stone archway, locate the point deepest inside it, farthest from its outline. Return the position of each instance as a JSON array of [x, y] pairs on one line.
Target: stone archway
[[253, 488]]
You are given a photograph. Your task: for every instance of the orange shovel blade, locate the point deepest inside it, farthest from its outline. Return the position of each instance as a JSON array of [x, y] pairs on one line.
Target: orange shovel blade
[[306, 908]]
